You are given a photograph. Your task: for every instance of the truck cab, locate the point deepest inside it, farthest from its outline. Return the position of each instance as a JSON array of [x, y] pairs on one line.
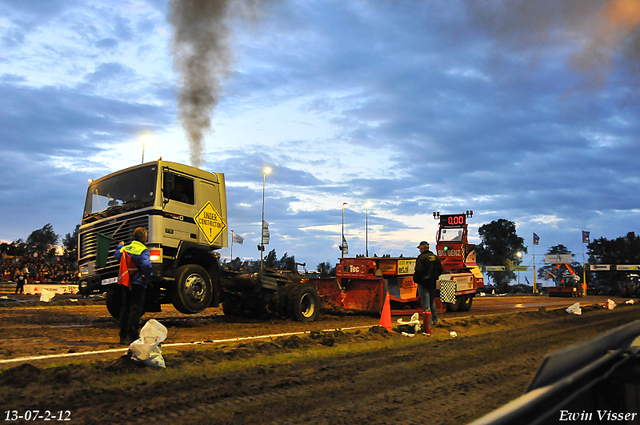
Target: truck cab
[[185, 211]]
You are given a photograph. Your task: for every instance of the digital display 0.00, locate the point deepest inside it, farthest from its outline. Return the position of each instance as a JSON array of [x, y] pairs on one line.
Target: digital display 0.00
[[456, 220]]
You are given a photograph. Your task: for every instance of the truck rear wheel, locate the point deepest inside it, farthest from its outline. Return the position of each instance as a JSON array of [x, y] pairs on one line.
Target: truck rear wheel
[[304, 303], [114, 301], [193, 291], [465, 303]]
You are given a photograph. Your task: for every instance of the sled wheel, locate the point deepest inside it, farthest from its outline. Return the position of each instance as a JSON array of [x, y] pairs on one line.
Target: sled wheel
[[453, 307], [114, 301], [193, 291], [465, 303], [304, 304], [231, 305]]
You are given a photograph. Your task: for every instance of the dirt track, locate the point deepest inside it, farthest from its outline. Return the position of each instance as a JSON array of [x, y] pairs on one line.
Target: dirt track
[[334, 377]]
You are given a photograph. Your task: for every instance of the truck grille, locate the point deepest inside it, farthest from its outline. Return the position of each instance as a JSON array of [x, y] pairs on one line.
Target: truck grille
[[121, 230]]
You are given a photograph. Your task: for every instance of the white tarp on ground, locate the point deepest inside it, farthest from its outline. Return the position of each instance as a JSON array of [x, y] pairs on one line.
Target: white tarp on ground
[[575, 309]]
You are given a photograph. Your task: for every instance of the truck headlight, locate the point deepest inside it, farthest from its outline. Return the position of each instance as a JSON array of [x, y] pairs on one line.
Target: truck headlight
[[155, 255]]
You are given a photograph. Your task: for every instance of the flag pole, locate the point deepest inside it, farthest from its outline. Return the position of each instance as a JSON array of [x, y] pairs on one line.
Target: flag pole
[[584, 267], [231, 245], [535, 283]]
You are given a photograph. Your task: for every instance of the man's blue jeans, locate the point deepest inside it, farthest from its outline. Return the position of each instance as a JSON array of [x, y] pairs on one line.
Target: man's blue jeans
[[428, 299]]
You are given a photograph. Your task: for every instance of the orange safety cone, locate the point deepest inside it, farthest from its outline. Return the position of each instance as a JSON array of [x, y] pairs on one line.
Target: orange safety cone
[[385, 318]]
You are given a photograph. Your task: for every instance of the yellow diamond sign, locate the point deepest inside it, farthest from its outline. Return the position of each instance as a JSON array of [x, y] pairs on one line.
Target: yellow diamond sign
[[210, 222]]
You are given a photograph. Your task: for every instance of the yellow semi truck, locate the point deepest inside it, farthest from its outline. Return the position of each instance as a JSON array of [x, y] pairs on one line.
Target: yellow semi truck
[[185, 210]]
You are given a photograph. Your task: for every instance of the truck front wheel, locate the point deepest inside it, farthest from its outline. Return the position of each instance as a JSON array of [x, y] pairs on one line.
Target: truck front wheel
[[193, 291], [114, 301], [304, 304]]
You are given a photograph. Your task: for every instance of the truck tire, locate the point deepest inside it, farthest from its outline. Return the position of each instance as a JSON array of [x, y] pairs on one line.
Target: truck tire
[[114, 301], [304, 303], [193, 291], [465, 303], [454, 307]]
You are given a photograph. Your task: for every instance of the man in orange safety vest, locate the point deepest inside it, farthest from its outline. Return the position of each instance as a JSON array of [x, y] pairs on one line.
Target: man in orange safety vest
[[135, 270]]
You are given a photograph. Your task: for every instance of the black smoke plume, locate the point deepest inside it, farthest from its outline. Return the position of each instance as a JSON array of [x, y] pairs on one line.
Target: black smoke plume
[[202, 60]]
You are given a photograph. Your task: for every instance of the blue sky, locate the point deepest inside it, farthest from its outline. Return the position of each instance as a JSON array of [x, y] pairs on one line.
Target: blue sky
[[526, 111]]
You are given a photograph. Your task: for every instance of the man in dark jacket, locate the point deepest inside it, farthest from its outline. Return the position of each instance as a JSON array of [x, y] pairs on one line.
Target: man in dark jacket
[[20, 283], [133, 296], [427, 271]]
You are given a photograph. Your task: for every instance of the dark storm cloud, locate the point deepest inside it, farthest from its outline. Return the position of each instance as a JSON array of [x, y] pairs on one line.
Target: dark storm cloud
[[41, 10], [27, 15], [52, 120], [491, 106], [123, 29], [248, 165], [107, 43], [38, 123], [109, 71], [13, 38]]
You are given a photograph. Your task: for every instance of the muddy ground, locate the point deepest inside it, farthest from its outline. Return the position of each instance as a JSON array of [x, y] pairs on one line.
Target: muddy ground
[[327, 376]]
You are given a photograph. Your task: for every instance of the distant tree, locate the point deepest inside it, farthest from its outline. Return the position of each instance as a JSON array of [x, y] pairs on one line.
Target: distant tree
[[17, 248], [548, 272], [499, 247], [287, 263], [622, 250], [271, 260], [326, 270], [70, 244], [42, 240], [235, 264], [249, 266]]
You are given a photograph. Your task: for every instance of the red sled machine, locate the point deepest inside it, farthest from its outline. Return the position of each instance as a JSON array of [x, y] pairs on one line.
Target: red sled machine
[[361, 283]]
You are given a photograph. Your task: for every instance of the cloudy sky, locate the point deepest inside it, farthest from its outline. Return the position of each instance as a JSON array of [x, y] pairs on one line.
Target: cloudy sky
[[522, 110]]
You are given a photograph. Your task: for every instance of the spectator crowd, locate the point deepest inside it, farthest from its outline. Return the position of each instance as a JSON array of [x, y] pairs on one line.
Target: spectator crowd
[[37, 269]]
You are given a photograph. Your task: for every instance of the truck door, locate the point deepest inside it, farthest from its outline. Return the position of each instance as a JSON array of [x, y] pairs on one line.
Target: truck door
[[213, 223], [179, 206]]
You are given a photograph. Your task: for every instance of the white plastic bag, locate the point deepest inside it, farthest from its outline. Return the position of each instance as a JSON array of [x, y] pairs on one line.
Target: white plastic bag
[[415, 322], [610, 304], [575, 309], [146, 349]]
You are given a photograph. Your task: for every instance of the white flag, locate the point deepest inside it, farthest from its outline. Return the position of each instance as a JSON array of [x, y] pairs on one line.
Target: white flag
[[238, 239]]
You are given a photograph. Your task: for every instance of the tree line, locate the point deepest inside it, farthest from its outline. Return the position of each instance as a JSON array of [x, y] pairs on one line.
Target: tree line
[[42, 242], [285, 263], [501, 244]]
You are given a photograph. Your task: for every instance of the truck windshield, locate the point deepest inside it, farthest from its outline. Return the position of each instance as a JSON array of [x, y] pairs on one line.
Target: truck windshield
[[123, 192], [451, 234]]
